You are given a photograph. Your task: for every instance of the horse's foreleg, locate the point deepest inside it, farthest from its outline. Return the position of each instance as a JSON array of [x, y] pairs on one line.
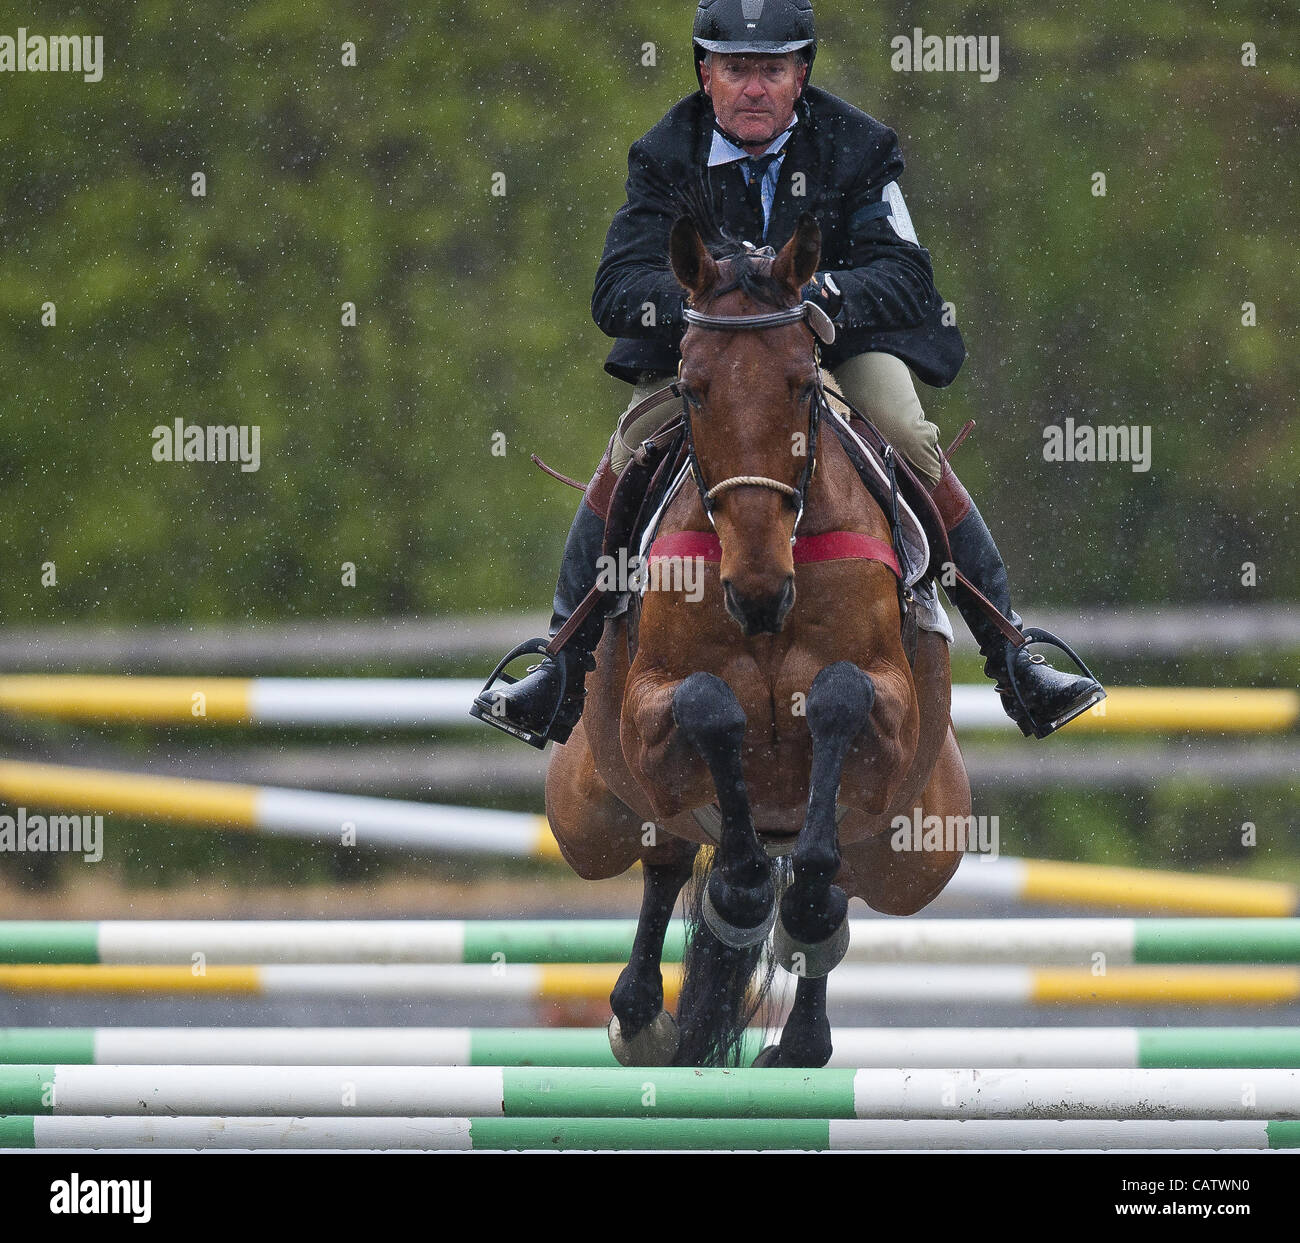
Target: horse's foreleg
[[813, 909], [740, 900], [641, 1033], [813, 933]]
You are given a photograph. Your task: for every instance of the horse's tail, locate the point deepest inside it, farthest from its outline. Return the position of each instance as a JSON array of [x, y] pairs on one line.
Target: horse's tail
[[722, 989]]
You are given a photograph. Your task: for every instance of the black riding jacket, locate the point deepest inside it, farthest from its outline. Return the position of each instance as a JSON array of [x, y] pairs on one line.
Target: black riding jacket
[[845, 159]]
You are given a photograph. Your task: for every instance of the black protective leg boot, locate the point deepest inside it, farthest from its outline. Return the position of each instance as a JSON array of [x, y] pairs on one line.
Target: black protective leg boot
[[1037, 697], [546, 704]]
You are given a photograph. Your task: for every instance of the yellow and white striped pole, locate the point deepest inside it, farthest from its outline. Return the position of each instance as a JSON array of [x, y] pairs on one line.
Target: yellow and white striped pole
[[342, 819], [434, 828], [415, 703], [921, 984]]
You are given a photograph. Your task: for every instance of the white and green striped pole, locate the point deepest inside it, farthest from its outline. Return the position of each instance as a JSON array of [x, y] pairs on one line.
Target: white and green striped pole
[[634, 1134], [1043, 942], [1149, 1048], [670, 1092]]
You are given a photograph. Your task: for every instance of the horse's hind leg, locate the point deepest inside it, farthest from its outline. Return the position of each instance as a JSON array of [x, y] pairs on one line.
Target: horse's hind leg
[[806, 1036], [812, 933], [641, 1033]]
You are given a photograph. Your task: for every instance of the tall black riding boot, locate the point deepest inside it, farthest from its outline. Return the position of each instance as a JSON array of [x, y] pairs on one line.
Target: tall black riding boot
[[1041, 699], [546, 704]]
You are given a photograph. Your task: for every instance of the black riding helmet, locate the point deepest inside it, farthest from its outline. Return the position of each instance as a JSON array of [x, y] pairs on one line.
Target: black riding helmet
[[773, 27]]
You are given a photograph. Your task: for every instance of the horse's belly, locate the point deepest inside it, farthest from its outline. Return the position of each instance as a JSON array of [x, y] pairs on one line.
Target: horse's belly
[[777, 821], [776, 780]]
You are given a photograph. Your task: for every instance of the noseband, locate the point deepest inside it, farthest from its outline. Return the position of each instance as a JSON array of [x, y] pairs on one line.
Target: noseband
[[820, 325]]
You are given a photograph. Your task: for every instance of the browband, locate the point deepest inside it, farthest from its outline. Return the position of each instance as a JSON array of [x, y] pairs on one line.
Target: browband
[[817, 319]]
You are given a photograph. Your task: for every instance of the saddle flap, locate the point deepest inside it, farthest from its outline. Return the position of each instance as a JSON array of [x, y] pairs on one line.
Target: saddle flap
[[916, 545], [911, 487]]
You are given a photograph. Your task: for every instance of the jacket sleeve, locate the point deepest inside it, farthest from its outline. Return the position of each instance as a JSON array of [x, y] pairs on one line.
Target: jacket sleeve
[[634, 273], [889, 283]]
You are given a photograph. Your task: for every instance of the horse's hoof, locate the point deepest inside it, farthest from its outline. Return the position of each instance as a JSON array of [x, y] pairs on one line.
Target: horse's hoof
[[769, 1056], [654, 1045], [729, 934], [815, 959]]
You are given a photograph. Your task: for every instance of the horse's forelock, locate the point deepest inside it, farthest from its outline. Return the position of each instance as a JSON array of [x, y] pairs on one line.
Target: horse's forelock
[[751, 274]]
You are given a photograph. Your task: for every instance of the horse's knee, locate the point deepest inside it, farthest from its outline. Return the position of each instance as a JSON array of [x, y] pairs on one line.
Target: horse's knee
[[840, 702], [708, 713]]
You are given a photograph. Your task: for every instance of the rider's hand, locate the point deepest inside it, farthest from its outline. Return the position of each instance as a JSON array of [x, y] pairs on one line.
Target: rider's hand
[[823, 290]]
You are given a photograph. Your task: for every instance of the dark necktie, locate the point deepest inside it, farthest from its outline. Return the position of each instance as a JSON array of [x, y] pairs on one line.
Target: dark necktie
[[758, 166]]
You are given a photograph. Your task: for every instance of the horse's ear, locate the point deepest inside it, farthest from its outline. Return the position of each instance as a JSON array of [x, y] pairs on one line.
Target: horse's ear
[[692, 264], [797, 263]]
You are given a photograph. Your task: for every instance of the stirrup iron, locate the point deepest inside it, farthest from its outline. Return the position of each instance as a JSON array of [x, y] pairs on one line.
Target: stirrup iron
[[1036, 634], [537, 739]]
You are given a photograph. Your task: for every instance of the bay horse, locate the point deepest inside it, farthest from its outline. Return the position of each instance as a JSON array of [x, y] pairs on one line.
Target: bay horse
[[782, 699]]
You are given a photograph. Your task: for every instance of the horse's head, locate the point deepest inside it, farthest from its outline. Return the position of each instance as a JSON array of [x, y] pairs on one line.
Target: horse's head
[[750, 390]]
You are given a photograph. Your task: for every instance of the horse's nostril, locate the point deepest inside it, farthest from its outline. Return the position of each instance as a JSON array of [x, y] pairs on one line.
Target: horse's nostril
[[730, 599], [759, 614], [787, 596]]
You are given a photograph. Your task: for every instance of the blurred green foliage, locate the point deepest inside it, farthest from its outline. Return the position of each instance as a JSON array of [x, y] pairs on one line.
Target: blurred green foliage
[[373, 185]]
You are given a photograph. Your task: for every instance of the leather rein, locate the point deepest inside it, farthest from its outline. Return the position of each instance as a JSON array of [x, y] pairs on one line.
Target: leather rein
[[823, 330]]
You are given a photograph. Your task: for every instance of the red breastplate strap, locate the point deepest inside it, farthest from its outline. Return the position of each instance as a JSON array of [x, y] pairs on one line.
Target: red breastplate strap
[[830, 546]]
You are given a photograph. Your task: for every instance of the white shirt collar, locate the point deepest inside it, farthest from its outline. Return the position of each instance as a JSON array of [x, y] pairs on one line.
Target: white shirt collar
[[724, 151]]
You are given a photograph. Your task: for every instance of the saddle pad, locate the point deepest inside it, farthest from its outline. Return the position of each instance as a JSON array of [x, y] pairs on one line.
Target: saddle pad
[[930, 614]]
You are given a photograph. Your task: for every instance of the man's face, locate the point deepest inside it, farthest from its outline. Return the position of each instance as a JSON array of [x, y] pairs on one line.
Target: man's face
[[753, 96]]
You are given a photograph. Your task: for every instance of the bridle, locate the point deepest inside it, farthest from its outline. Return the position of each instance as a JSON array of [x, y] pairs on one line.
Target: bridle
[[823, 330]]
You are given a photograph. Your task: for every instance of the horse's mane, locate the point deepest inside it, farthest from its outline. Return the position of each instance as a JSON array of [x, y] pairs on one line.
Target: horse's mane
[[749, 272]]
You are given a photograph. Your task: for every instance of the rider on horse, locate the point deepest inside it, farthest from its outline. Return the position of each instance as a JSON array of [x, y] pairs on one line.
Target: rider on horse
[[754, 148]]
